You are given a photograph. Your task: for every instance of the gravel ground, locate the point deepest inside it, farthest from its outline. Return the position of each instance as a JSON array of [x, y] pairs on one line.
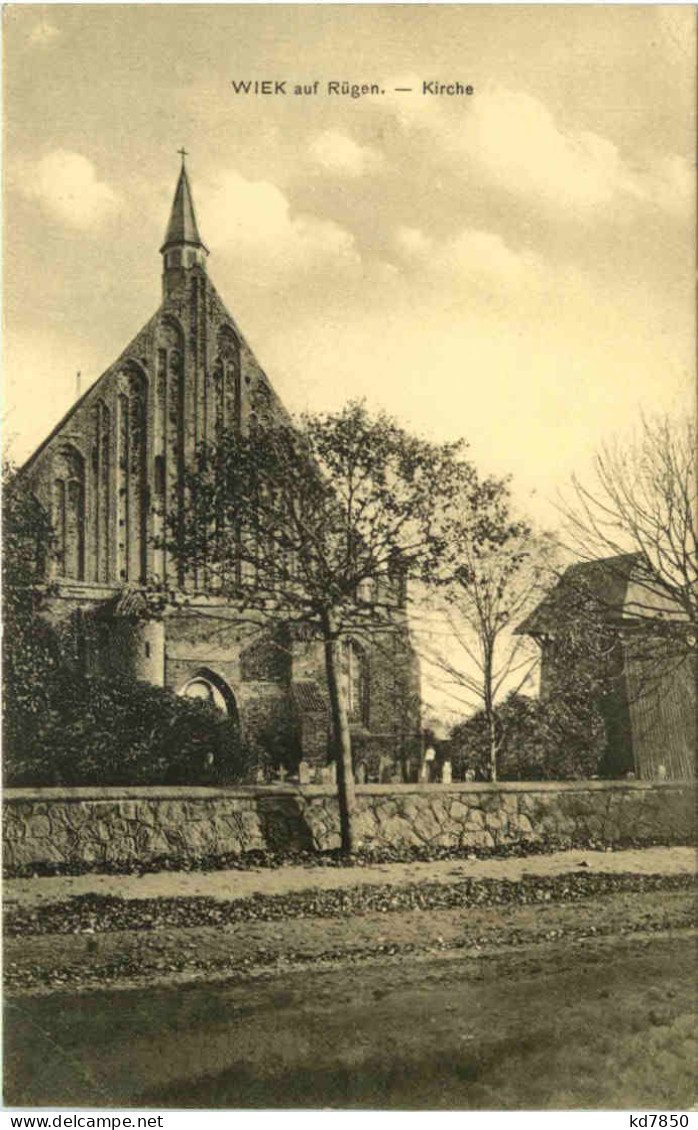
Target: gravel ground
[[97, 939], [237, 884], [104, 913], [252, 947], [455, 983]]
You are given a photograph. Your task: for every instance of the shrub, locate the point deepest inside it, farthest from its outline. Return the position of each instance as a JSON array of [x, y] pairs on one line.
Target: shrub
[[539, 740], [61, 727], [94, 731]]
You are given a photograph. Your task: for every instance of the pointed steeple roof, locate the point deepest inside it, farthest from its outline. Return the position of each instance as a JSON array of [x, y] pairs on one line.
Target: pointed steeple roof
[[182, 227]]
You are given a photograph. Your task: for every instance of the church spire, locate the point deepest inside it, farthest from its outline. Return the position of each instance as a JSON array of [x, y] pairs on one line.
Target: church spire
[[183, 246]]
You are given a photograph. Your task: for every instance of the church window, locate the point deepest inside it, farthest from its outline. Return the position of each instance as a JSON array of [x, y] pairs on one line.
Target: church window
[[160, 476], [355, 670], [162, 372], [132, 514], [397, 580], [262, 401], [69, 512], [168, 437], [219, 396], [226, 380], [100, 491]]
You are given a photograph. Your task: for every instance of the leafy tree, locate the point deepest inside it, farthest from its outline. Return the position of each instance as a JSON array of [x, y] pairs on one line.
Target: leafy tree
[[61, 727], [34, 654], [538, 739], [320, 525]]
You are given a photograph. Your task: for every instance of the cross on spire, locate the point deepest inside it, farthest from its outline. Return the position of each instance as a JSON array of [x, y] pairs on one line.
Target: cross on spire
[[182, 228]]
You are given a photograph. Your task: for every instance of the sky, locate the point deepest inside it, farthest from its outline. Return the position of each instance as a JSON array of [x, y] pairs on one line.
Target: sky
[[514, 266]]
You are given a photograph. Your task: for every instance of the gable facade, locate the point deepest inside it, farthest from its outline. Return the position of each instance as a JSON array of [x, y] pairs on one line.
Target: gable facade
[[115, 464]]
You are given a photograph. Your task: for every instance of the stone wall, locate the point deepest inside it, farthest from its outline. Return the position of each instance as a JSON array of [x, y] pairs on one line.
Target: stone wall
[[141, 824]]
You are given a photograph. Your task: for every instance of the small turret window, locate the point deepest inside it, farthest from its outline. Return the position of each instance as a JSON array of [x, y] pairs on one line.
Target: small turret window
[[160, 476]]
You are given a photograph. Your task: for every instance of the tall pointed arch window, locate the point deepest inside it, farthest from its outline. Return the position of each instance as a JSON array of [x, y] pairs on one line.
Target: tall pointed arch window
[[101, 423], [226, 381], [169, 421], [356, 683], [131, 476], [69, 512]]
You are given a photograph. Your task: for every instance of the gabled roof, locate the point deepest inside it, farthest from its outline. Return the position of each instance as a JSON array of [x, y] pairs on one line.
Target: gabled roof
[[183, 227], [605, 581], [90, 393]]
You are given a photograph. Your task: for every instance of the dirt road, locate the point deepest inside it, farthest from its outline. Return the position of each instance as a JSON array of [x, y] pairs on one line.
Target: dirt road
[[603, 1024], [559, 990]]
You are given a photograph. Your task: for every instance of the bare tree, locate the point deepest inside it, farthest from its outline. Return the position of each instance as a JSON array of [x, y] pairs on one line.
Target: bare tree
[[319, 525], [498, 568], [643, 501], [634, 531]]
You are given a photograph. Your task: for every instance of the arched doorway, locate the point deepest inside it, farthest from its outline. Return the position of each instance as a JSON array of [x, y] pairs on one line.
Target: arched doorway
[[206, 686]]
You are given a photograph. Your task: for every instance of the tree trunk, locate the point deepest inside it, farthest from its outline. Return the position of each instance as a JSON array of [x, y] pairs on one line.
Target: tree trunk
[[489, 713], [342, 738], [491, 724]]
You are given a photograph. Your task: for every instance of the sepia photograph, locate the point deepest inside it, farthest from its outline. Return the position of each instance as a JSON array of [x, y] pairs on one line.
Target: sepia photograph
[[349, 559]]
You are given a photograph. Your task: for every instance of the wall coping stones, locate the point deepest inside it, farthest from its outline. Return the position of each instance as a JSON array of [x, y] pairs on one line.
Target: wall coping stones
[[93, 826], [205, 792]]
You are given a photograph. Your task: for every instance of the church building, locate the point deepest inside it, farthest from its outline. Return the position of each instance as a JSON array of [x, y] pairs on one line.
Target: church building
[[110, 472]]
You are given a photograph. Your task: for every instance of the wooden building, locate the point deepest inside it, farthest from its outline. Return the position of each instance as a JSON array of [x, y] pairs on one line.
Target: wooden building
[[649, 703]]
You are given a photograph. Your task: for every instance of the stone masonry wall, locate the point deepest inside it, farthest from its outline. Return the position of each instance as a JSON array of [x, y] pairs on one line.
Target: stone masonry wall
[[98, 826]]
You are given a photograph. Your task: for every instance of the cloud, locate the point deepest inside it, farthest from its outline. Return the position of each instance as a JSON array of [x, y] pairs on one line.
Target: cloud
[[42, 34], [335, 152], [66, 185], [412, 243], [512, 141], [672, 185], [252, 220], [471, 259], [515, 139]]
